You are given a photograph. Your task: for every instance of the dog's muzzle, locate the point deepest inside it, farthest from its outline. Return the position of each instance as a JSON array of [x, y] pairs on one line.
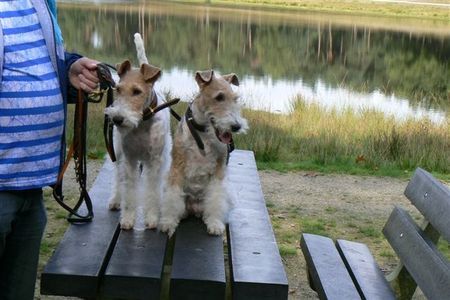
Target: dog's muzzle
[[117, 120]]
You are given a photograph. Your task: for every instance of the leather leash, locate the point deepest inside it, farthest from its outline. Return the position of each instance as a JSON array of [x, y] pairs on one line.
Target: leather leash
[[107, 84], [77, 149]]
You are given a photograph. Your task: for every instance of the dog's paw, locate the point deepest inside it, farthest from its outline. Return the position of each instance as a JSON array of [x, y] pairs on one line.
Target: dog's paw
[[151, 222], [126, 223], [168, 227], [215, 227], [114, 205]]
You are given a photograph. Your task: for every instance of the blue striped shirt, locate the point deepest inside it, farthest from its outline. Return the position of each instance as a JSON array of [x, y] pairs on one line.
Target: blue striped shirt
[[31, 104]]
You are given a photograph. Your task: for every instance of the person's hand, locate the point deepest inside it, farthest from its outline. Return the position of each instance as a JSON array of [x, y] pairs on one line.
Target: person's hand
[[83, 74]]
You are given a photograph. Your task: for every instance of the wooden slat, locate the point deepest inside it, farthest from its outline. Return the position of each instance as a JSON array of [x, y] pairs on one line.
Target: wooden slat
[[364, 270], [424, 262], [198, 267], [136, 266], [432, 198], [78, 262], [257, 271], [328, 272]]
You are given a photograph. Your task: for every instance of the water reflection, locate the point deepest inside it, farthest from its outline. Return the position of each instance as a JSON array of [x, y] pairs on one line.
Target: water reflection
[[277, 56], [278, 96]]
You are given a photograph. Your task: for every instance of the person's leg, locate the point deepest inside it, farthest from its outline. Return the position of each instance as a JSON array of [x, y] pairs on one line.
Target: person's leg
[[22, 225]]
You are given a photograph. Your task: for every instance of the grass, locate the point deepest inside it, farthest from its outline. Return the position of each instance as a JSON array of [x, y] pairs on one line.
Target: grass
[[352, 7], [366, 143], [314, 138]]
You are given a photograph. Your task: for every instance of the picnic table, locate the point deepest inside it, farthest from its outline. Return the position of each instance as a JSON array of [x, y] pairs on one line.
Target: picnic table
[[99, 260]]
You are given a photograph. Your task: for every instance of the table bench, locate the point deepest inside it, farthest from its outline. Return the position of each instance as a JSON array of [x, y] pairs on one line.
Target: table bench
[[98, 260], [347, 270]]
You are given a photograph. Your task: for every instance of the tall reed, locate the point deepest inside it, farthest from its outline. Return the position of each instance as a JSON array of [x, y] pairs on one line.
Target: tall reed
[[312, 135]]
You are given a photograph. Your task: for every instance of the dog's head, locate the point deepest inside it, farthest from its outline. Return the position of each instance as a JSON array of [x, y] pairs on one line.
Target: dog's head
[[132, 94], [218, 104]]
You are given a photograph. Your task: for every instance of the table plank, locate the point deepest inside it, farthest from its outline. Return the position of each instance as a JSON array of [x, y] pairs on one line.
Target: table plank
[[136, 265], [257, 271], [198, 267]]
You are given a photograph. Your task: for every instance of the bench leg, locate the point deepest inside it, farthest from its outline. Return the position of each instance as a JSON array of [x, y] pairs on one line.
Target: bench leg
[[402, 283], [310, 281]]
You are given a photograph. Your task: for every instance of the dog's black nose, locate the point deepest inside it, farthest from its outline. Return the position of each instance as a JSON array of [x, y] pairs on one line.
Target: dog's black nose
[[235, 127], [117, 120]]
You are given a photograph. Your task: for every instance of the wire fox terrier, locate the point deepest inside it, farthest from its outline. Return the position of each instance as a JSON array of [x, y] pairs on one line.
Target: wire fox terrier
[[199, 156], [142, 146]]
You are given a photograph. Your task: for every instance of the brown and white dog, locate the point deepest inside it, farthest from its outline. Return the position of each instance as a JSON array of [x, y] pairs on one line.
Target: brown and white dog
[[142, 146], [196, 178]]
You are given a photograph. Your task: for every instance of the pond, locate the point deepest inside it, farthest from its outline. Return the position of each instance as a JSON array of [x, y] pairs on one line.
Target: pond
[[400, 67]]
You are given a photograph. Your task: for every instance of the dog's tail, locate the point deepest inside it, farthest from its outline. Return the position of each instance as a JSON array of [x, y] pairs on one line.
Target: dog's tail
[[140, 49]]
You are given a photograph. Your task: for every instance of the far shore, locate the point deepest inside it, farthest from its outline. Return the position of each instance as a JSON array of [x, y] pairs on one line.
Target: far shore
[[431, 9]]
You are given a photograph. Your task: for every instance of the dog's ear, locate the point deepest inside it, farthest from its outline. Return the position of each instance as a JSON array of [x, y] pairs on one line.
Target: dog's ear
[[204, 77], [150, 73], [231, 78], [123, 67]]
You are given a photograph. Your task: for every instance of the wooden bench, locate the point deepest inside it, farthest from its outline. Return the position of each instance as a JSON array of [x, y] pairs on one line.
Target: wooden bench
[[347, 270], [98, 260]]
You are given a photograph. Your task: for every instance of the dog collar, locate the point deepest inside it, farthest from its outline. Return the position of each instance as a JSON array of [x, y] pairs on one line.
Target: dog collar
[[153, 108], [149, 111], [193, 128], [190, 119]]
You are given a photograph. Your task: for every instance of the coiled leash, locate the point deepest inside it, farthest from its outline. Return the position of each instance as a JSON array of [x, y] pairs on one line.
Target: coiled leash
[[77, 150]]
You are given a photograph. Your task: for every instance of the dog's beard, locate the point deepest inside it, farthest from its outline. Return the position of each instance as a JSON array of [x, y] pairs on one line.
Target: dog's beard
[[131, 119]]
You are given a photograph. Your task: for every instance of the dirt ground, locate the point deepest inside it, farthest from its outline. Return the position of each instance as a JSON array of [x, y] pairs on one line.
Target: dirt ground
[[314, 194], [343, 198]]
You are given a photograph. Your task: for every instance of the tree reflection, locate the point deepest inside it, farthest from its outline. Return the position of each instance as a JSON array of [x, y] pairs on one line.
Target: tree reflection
[[361, 58]]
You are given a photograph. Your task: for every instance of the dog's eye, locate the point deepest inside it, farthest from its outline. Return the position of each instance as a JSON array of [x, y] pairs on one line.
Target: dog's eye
[[220, 97], [118, 90], [136, 92]]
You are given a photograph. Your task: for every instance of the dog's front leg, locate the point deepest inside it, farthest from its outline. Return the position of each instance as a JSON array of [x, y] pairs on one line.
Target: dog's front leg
[[215, 207], [127, 173], [172, 208], [152, 194], [114, 200]]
